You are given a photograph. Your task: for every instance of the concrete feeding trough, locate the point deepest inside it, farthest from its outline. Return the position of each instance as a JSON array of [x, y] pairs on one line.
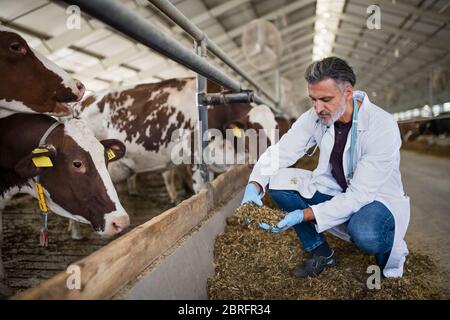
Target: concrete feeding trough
[[168, 257]]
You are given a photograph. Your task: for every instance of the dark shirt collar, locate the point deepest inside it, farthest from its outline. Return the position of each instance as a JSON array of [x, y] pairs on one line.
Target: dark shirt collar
[[341, 125]]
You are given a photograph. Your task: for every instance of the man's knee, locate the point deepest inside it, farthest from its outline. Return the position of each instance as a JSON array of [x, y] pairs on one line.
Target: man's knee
[[372, 229], [282, 194], [287, 199], [366, 241]]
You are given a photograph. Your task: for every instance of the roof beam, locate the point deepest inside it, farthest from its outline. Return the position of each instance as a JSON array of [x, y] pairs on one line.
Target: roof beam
[[287, 57], [371, 76], [217, 11], [403, 7], [403, 83], [155, 69], [69, 37], [66, 39], [358, 35], [272, 15], [398, 81], [300, 66], [372, 43], [286, 31], [137, 49], [414, 35]]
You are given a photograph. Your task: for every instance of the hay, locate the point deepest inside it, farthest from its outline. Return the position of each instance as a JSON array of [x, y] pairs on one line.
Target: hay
[[254, 215], [251, 263]]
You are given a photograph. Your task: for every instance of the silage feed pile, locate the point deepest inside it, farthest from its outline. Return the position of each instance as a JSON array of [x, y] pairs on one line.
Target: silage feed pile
[[251, 263]]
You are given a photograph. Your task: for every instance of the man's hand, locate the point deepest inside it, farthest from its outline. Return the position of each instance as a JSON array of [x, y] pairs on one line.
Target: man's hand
[[290, 220], [251, 194]]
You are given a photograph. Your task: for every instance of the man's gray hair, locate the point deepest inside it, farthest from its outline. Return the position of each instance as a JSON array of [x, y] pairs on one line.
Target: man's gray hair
[[331, 67]]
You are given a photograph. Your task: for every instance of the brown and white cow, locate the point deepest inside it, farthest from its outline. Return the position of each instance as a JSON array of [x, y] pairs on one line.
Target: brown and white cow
[[77, 186], [145, 117], [30, 82]]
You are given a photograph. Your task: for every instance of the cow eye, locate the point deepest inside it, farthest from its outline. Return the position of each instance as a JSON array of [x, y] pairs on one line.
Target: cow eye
[[77, 164], [17, 47]]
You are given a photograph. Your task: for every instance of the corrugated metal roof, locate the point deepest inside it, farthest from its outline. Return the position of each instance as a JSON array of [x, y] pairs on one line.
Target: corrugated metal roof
[[413, 42]]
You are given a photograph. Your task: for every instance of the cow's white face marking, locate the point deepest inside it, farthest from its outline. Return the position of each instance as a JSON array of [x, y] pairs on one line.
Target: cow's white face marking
[[67, 80]]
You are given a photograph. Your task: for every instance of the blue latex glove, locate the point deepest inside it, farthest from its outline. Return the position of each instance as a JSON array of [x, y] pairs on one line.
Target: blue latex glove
[[290, 220], [251, 194]]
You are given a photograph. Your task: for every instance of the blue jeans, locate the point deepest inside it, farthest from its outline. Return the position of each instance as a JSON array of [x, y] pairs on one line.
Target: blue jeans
[[371, 228]]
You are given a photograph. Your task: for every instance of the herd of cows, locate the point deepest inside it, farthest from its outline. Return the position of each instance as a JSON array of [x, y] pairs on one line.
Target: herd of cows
[[94, 141], [431, 130]]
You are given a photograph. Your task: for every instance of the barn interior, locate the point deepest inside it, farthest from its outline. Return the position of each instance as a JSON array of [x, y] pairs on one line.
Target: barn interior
[[399, 50]]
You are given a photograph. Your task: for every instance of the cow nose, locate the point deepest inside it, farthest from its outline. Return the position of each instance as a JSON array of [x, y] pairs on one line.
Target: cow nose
[[70, 92], [120, 223], [81, 89]]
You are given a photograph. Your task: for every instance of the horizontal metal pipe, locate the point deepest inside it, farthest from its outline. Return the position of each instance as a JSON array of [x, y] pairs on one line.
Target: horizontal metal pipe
[[226, 98], [180, 19], [126, 21]]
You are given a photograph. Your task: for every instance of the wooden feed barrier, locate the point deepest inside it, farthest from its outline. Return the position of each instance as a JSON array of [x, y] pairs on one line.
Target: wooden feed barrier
[[123, 261]]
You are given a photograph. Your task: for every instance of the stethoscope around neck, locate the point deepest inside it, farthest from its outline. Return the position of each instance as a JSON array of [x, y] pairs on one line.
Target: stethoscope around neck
[[354, 130]]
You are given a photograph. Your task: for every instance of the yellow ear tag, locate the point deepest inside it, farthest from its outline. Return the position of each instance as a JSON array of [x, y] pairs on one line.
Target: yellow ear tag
[[42, 162], [39, 150], [237, 132], [110, 153]]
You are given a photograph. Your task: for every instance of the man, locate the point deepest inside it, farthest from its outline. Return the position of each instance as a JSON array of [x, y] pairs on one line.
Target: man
[[356, 190]]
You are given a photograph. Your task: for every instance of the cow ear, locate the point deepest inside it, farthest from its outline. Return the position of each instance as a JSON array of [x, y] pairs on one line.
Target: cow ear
[[36, 162], [114, 149]]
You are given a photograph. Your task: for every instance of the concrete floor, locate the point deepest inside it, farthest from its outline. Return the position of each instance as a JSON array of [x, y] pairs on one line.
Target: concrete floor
[[427, 182]]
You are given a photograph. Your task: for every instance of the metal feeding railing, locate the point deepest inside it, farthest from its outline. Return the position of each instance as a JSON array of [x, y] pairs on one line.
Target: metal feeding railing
[[124, 20]]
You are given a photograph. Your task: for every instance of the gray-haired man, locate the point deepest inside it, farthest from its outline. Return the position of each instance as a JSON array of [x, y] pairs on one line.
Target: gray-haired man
[[356, 190]]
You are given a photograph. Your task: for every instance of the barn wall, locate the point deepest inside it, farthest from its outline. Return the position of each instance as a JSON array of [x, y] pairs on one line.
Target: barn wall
[[183, 273]]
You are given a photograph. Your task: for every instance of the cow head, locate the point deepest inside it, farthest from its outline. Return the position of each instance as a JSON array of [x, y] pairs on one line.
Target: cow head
[[246, 138], [30, 82], [78, 185]]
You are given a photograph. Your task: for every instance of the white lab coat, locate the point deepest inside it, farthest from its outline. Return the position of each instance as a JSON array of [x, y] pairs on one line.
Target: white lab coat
[[376, 175]]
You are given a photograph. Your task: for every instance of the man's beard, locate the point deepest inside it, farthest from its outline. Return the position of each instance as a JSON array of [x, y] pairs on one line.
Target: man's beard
[[335, 115]]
